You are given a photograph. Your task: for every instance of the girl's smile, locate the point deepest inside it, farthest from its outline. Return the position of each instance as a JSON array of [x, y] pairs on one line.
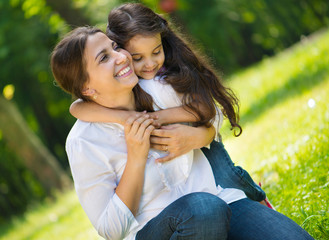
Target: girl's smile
[[147, 54]]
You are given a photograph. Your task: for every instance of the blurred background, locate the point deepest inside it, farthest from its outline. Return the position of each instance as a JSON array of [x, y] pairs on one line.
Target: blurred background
[[34, 118]]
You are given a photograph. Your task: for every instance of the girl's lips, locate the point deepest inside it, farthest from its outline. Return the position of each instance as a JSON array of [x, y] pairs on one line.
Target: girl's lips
[[150, 71]]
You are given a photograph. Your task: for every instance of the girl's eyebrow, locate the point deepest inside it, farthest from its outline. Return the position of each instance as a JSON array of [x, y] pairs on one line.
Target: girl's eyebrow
[[157, 46], [152, 50]]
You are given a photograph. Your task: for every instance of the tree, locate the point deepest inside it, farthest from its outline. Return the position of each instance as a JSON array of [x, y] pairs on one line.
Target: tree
[[30, 149]]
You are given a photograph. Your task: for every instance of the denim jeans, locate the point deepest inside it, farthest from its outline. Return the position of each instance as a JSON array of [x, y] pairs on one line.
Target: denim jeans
[[251, 220], [195, 216], [229, 176], [205, 216]]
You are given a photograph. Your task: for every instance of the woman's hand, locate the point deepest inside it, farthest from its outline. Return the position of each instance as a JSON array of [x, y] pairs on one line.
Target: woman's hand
[[178, 139], [138, 129]]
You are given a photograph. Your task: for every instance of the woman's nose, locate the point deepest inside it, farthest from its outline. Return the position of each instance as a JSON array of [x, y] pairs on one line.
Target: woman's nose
[[120, 58]]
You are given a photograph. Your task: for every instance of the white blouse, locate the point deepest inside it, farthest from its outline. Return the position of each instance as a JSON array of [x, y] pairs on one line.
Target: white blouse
[[97, 154]]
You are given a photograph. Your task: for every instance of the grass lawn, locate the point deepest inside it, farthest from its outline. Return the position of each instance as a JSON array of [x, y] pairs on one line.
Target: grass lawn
[[285, 145]]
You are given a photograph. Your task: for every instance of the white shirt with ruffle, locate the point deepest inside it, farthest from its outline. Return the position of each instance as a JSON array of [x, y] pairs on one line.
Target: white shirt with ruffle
[[97, 155]]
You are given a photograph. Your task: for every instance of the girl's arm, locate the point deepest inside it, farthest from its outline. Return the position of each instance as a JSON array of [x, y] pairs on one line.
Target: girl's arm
[[92, 112], [179, 139], [174, 115]]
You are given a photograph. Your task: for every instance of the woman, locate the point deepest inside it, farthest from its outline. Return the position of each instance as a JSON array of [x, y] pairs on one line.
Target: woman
[[125, 193], [160, 55]]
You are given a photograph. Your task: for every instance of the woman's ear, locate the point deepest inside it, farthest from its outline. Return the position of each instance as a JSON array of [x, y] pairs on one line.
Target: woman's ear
[[88, 92]]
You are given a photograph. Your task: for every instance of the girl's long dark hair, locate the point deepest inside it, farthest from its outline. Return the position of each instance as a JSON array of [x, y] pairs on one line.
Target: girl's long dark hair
[[186, 72]]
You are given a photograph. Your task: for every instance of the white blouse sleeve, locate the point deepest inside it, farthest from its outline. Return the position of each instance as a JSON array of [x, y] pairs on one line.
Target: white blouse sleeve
[[95, 183]]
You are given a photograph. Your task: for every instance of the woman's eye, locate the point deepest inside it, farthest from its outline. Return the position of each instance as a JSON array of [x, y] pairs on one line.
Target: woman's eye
[[104, 58], [116, 47]]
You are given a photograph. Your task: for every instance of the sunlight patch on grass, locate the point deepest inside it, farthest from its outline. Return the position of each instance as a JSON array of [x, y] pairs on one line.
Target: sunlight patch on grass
[[62, 219]]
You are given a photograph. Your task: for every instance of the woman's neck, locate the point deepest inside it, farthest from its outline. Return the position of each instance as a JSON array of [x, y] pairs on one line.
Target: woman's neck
[[122, 101]]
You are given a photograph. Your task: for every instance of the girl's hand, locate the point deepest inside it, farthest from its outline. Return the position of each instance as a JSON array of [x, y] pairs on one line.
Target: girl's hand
[[157, 121], [178, 139], [137, 134]]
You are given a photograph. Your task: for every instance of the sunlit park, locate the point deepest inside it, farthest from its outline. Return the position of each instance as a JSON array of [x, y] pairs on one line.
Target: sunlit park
[[273, 54]]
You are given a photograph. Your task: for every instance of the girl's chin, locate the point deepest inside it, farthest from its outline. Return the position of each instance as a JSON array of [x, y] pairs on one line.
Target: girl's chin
[[148, 76]]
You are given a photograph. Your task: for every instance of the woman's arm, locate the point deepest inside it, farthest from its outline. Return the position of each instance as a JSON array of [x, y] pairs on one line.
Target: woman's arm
[[110, 206], [137, 134], [92, 112]]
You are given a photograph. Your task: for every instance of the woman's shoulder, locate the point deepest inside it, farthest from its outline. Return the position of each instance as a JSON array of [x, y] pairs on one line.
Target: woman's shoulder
[[94, 132]]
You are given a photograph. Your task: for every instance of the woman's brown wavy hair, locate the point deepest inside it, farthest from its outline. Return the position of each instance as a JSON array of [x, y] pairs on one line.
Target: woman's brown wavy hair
[[186, 72], [69, 67]]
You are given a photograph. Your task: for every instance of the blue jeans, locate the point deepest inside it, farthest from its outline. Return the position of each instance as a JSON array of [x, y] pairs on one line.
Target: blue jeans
[[229, 176], [251, 220], [195, 216], [205, 216]]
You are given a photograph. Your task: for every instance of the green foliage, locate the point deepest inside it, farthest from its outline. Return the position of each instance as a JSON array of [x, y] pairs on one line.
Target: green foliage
[[28, 35], [284, 145], [239, 33], [28, 31], [17, 185]]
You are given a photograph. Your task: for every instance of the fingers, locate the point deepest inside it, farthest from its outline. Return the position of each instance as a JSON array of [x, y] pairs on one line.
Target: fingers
[[147, 132], [159, 140], [156, 124], [161, 132], [167, 158], [143, 126], [131, 120], [137, 123], [162, 147]]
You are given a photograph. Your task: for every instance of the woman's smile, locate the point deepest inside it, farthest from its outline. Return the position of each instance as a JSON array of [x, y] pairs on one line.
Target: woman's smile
[[124, 72]]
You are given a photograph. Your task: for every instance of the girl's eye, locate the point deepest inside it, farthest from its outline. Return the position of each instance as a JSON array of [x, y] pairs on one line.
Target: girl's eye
[[137, 59], [157, 52]]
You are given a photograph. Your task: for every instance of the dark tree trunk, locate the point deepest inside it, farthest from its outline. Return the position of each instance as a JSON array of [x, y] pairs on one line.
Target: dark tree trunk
[[30, 149]]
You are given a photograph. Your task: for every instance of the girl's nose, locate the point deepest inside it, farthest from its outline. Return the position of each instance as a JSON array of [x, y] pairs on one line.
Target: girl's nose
[[149, 63]]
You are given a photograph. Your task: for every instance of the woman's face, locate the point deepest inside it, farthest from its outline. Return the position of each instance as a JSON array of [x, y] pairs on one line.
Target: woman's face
[[109, 68], [147, 53]]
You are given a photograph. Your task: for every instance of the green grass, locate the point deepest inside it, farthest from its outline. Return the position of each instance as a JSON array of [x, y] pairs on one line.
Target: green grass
[[61, 219], [285, 140], [285, 145]]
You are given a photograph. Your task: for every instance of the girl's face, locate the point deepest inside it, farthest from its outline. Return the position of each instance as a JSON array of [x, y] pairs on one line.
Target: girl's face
[[109, 68], [147, 54]]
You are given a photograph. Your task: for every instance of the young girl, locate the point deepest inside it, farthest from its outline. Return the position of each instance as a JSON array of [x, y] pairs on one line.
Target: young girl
[[169, 67]]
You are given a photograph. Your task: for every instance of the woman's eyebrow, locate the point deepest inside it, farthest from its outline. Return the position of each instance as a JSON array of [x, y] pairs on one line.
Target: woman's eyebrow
[[104, 50]]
